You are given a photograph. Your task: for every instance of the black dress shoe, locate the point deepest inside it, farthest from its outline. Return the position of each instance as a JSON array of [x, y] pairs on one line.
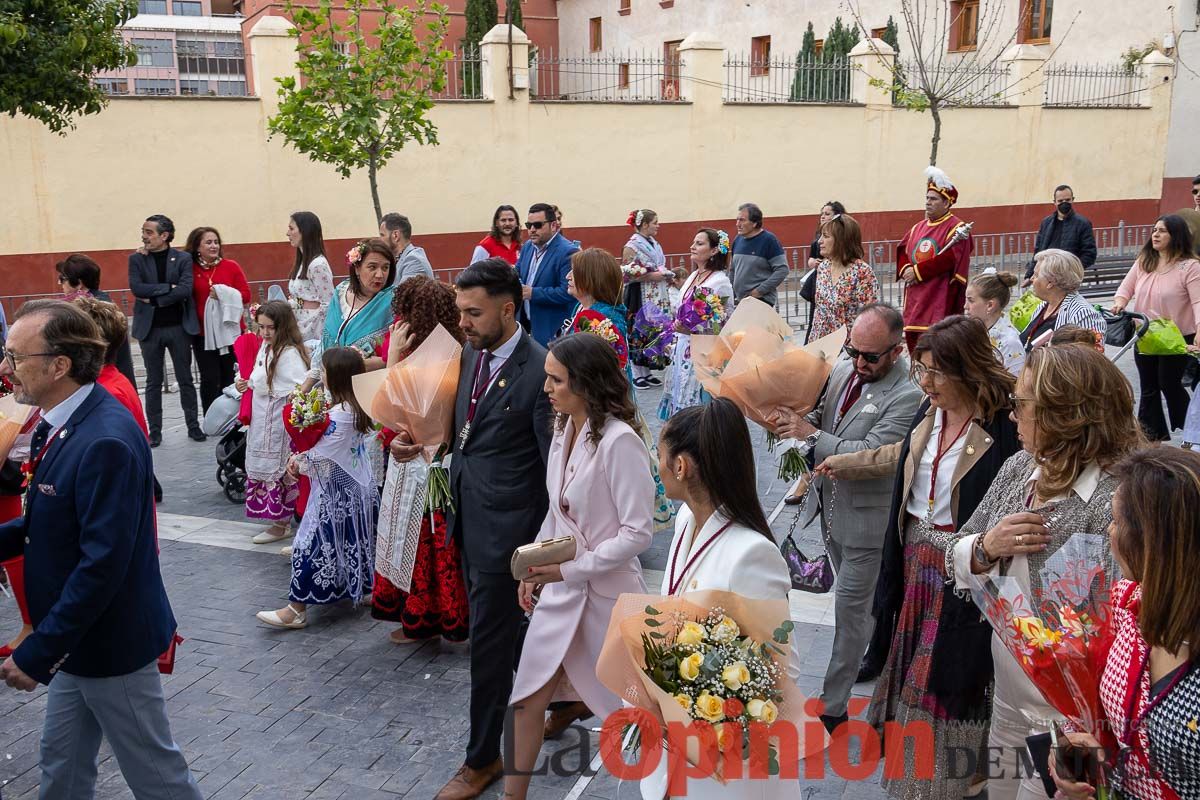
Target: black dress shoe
[[155, 439], [868, 672], [831, 721], [197, 435]]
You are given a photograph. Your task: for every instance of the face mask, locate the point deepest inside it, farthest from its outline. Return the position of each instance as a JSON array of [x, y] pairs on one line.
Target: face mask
[[1064, 207]]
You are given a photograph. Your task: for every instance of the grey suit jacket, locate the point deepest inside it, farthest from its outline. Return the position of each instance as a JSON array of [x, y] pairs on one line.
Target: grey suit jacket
[[143, 282], [883, 414], [498, 478]]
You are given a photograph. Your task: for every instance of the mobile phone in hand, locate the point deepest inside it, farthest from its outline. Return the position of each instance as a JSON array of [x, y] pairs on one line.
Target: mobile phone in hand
[[1072, 761]]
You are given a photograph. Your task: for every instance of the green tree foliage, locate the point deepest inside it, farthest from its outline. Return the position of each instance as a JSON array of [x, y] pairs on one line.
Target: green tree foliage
[[891, 35], [824, 78], [514, 10], [481, 16], [801, 88], [51, 49], [356, 108]]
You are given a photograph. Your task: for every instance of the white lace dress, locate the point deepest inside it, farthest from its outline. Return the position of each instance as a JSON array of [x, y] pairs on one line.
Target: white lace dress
[[317, 287]]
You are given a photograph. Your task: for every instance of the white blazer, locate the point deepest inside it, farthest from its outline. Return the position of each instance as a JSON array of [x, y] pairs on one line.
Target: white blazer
[[743, 561]]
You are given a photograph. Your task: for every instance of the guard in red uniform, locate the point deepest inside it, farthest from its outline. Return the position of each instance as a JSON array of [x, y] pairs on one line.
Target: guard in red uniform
[[933, 260]]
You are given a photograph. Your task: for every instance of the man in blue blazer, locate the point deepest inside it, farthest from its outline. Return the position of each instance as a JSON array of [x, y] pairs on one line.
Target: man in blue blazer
[[96, 599], [543, 265]]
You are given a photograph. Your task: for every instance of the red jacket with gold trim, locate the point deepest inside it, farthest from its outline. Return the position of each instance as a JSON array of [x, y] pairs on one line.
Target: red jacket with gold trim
[[940, 289]]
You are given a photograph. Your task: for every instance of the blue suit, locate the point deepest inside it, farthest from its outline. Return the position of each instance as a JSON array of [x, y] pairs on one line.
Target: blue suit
[[96, 597], [551, 305]]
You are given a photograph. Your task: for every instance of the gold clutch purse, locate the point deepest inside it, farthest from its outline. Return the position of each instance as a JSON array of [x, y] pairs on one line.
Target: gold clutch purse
[[539, 554]]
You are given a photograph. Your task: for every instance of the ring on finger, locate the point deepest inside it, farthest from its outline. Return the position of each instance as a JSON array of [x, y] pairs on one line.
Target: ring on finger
[[1020, 539]]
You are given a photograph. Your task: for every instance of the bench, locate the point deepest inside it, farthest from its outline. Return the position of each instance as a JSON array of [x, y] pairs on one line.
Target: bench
[[1102, 278]]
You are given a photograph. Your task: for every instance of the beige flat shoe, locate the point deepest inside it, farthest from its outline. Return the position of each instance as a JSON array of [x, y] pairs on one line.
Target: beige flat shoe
[[286, 551], [272, 534], [286, 617]]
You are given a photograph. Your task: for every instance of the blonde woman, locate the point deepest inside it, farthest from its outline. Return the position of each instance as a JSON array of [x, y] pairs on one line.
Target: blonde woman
[[1056, 278], [987, 296]]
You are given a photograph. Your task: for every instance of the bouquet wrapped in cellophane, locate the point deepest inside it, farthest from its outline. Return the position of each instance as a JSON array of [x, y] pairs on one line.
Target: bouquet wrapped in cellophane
[[13, 416], [417, 395], [702, 311], [716, 659], [1052, 630], [306, 418], [593, 322], [651, 337]]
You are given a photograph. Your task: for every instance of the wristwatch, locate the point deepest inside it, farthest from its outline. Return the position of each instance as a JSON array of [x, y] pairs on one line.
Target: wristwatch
[[811, 440], [980, 554]]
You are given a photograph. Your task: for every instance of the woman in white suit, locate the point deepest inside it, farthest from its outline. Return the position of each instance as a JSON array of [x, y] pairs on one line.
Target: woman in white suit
[[722, 541], [601, 493]]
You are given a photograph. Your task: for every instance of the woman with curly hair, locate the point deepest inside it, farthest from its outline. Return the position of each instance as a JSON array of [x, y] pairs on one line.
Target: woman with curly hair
[[710, 257], [1074, 415], [602, 495], [420, 586]]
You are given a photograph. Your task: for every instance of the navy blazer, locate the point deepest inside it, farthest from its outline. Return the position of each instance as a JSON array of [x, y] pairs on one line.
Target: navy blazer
[[551, 304], [143, 282], [95, 593]]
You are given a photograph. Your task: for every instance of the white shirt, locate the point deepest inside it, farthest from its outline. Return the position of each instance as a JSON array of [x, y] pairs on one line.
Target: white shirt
[[501, 355], [918, 497], [538, 253], [61, 413]]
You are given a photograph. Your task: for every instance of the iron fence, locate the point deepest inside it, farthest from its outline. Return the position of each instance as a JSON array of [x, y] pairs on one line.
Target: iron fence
[[1093, 86], [1003, 251], [181, 67], [776, 79], [962, 84], [604, 77], [464, 75]]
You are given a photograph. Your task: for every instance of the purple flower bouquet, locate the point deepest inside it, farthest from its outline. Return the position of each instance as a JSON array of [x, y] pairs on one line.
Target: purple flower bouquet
[[702, 311], [651, 337]]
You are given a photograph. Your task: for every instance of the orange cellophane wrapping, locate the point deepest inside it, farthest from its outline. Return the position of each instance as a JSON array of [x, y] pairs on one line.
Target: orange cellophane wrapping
[[13, 416], [417, 395], [622, 662]]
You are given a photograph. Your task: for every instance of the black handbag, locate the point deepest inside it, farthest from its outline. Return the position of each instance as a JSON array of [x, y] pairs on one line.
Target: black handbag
[[1119, 331], [808, 286]]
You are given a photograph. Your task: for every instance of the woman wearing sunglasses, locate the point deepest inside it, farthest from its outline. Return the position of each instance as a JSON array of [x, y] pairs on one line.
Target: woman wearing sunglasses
[[938, 667]]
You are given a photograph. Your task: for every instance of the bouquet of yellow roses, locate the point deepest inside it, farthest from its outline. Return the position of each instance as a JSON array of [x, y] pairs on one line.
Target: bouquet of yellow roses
[[712, 659]]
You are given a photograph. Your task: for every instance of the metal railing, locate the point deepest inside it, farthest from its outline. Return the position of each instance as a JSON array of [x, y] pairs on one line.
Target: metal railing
[[1093, 86], [786, 80], [966, 85], [603, 78], [464, 75], [183, 67], [1004, 251]]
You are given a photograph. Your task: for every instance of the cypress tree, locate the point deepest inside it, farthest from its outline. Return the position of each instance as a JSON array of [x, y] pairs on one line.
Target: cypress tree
[[802, 83], [481, 17]]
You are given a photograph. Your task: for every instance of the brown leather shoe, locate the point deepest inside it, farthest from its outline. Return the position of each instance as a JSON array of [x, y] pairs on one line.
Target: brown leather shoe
[[468, 782], [561, 719]]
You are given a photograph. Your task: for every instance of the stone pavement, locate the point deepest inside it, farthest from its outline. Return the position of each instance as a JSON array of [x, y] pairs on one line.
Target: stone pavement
[[335, 710]]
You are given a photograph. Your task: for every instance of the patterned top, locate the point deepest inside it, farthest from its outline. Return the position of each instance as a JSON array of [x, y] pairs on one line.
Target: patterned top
[[1163, 762], [317, 287], [1074, 310], [837, 302], [1008, 345]]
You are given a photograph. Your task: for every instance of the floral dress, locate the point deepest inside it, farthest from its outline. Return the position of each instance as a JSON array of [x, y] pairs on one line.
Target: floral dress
[[333, 556], [681, 388], [268, 496], [837, 301], [317, 287]]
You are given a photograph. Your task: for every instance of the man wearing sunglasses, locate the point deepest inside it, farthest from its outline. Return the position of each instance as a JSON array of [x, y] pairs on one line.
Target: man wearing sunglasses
[[543, 266], [869, 402]]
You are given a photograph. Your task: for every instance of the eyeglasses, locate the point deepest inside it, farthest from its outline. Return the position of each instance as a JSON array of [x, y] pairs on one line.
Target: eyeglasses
[[15, 358], [919, 371], [870, 358], [535, 226], [1016, 401], [1195, 191]]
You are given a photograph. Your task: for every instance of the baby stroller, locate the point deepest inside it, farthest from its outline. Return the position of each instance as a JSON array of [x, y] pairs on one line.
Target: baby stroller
[[1124, 330], [222, 421]]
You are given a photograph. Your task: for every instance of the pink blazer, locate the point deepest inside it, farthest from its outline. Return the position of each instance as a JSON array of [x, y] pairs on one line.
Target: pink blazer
[[603, 495]]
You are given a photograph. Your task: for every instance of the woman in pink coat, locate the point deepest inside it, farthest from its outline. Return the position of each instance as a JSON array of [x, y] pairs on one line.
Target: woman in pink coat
[[601, 493]]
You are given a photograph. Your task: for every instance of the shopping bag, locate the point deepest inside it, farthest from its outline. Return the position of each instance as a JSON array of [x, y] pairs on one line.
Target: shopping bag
[[1022, 311], [1162, 339]]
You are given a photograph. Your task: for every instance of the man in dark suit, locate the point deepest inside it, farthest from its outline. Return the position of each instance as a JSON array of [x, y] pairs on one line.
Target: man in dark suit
[[502, 431], [543, 264], [164, 319], [96, 599]]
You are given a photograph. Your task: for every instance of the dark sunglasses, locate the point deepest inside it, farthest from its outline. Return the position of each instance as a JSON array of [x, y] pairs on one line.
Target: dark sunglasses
[[870, 358], [1195, 191], [535, 226]]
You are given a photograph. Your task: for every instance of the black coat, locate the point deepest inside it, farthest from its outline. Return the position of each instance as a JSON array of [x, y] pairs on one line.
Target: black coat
[[962, 663], [1073, 234]]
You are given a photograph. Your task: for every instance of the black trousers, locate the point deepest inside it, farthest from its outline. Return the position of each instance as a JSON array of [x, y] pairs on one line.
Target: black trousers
[[216, 371], [496, 622], [1161, 377], [155, 347]]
